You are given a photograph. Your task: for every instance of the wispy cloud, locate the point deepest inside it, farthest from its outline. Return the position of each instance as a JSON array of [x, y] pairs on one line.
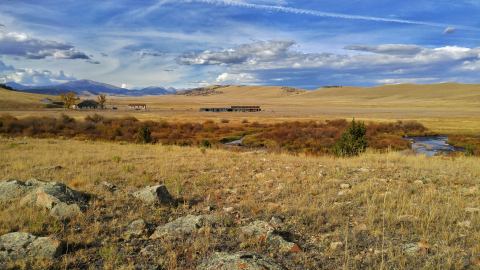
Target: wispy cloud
[[317, 13]]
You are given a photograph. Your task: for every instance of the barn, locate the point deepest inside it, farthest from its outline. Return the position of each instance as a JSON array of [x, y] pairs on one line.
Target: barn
[[88, 105]]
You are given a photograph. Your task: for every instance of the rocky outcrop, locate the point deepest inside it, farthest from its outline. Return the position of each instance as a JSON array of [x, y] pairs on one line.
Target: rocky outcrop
[[62, 201], [184, 226], [20, 245], [263, 231], [155, 195], [239, 261]]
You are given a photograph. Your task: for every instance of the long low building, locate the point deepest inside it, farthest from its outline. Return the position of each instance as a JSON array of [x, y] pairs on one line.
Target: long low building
[[232, 109]]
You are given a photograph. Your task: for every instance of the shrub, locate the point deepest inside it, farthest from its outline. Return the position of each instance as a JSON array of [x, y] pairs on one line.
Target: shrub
[[353, 141], [205, 144], [225, 121], [144, 135], [469, 150]]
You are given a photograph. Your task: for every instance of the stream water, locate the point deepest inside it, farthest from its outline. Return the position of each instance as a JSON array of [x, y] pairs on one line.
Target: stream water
[[432, 145]]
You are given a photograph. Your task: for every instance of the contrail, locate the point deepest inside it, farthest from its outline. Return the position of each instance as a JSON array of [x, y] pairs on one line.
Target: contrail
[[316, 13]]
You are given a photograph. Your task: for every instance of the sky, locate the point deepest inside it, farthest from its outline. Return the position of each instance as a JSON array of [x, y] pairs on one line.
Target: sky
[[191, 43]]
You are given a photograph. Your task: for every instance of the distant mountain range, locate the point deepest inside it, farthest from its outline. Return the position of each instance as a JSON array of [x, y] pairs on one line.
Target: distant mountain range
[[88, 87]]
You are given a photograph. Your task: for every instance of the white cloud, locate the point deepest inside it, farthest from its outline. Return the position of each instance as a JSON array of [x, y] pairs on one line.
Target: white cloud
[[21, 44], [265, 62], [252, 53], [239, 78], [27, 76]]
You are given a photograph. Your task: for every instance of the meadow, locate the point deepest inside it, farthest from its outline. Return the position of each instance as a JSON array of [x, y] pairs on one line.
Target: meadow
[[365, 212]]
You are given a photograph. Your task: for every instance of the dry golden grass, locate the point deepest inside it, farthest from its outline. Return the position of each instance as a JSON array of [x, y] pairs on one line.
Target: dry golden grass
[[19, 100], [394, 200], [443, 108]]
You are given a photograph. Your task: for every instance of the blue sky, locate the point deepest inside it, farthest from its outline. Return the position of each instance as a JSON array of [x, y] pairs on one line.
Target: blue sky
[[192, 43]]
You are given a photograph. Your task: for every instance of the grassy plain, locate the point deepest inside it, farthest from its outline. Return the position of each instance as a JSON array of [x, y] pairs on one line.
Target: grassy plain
[[393, 200], [443, 108]]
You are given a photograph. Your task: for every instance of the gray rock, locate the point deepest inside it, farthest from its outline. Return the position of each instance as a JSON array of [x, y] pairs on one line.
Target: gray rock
[[264, 231], [109, 186], [239, 261], [184, 226], [411, 248], [154, 194], [20, 245], [62, 201], [257, 228], [13, 189], [136, 228], [65, 211]]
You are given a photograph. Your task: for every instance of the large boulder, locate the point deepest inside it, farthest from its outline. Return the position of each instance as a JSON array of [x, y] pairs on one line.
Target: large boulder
[[155, 194], [239, 261], [265, 232], [20, 245], [184, 226]]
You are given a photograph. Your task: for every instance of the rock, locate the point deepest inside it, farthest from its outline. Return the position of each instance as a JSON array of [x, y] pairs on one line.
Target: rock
[[265, 232], [209, 208], [136, 228], [336, 245], [258, 228], [345, 186], [20, 245], [65, 211], [155, 194], [228, 209], [184, 226], [239, 261], [276, 221], [465, 224], [109, 186], [13, 189], [416, 248], [418, 182], [364, 170], [63, 202], [411, 248]]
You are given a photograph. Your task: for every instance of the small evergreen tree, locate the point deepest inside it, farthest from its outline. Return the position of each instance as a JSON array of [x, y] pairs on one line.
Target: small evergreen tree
[[353, 140], [206, 144], [144, 135]]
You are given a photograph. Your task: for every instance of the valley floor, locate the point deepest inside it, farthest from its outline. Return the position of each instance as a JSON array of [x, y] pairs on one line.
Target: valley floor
[[376, 211]]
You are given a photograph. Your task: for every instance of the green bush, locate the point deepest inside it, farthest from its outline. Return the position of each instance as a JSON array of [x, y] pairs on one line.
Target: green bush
[[144, 135], [469, 150], [353, 141], [205, 144]]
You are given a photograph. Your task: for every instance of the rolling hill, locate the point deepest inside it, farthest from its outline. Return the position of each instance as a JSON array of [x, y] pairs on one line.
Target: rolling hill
[[18, 100]]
